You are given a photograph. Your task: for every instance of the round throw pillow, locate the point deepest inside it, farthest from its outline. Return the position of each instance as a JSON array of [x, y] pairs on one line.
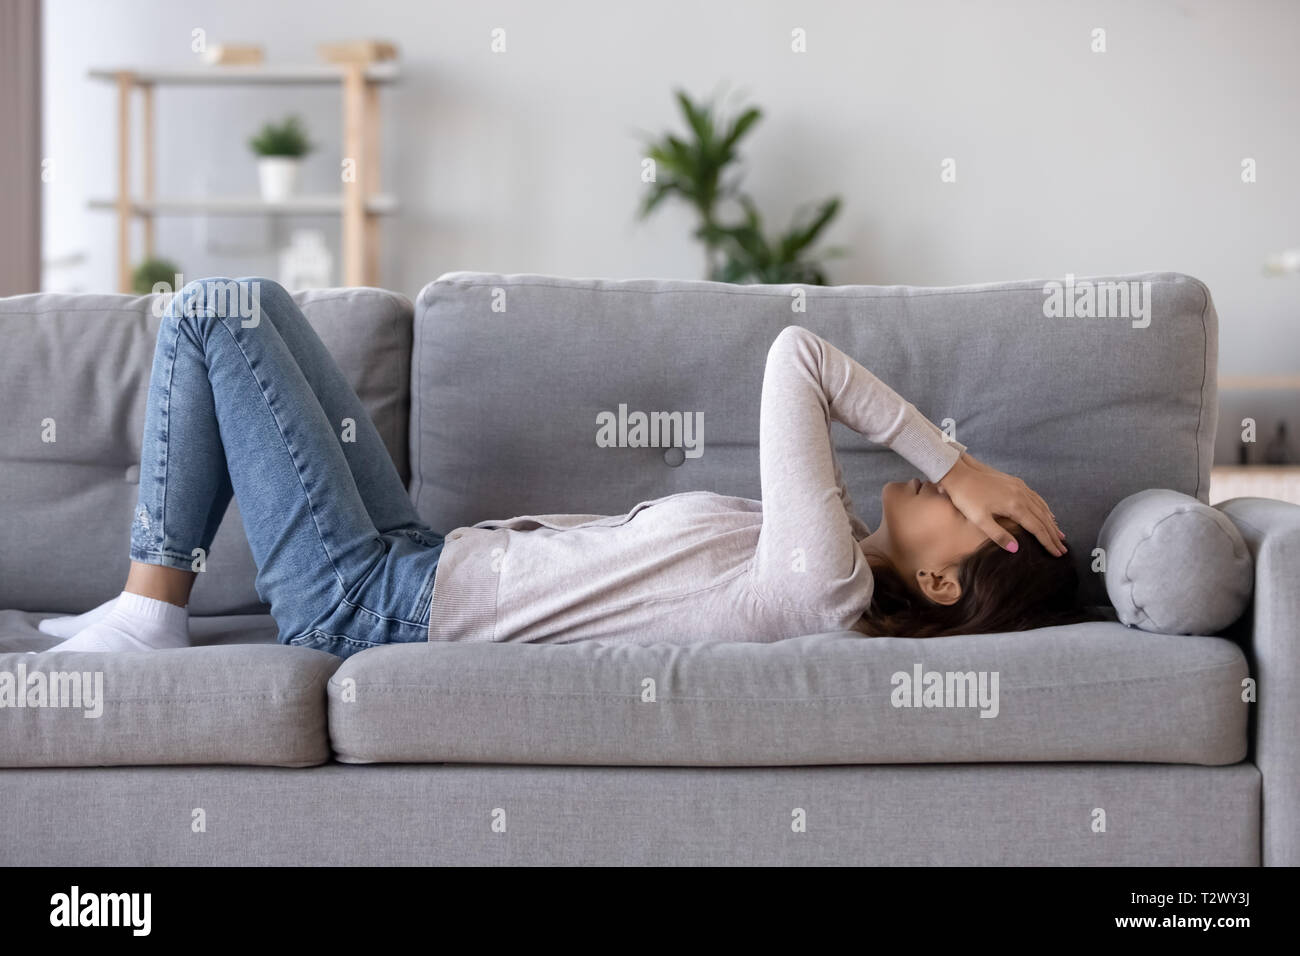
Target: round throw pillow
[[1175, 565]]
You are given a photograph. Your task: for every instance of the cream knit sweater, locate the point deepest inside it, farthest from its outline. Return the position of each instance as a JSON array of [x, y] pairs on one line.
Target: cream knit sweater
[[699, 566]]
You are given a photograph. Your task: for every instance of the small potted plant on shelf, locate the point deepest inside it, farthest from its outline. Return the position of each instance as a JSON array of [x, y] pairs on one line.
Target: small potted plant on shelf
[[280, 148], [153, 273]]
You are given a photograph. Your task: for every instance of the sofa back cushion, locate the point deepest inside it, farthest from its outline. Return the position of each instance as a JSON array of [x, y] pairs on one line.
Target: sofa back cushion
[[75, 368], [513, 376]]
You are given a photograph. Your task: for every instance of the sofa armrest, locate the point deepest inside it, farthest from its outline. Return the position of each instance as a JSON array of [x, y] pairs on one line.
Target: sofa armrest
[[1272, 531]]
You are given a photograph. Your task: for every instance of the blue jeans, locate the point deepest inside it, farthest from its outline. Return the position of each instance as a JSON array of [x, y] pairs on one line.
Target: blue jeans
[[245, 400]]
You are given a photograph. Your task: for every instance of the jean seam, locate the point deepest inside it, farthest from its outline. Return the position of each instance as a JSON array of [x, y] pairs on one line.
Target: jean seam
[[167, 441], [163, 553], [141, 554], [424, 606], [297, 468], [315, 633], [381, 617]]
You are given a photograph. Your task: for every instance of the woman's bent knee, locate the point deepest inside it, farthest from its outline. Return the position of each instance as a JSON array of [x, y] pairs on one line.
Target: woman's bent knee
[[219, 298]]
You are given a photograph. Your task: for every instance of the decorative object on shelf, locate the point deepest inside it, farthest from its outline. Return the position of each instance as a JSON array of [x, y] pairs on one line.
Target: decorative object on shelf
[[693, 169], [1286, 262], [152, 272], [357, 51], [280, 148], [231, 54], [1258, 400], [1275, 450], [306, 262]]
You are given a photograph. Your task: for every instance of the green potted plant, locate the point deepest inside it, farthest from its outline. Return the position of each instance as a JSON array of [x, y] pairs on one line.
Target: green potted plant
[[154, 272], [694, 168], [691, 168], [280, 148], [749, 256]]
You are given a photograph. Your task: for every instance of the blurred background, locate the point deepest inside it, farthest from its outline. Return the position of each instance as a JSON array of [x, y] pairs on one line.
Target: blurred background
[[965, 141]]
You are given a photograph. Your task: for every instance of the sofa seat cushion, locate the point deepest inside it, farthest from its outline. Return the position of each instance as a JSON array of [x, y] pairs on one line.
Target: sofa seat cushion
[[1087, 692], [19, 630], [250, 704]]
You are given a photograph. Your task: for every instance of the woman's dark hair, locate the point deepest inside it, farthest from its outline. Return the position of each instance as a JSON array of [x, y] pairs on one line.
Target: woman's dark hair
[[1000, 591]]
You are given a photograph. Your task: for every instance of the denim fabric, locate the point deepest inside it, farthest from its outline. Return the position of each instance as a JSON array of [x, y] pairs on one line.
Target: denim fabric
[[245, 400]]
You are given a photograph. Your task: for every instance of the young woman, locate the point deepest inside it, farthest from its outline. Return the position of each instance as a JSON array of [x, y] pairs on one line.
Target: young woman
[[245, 400]]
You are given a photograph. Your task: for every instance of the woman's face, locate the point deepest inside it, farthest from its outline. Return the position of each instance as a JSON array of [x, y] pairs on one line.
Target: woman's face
[[921, 530]]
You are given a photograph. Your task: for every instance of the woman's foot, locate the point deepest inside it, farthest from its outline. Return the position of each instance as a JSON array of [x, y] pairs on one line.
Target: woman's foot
[[73, 624], [133, 623]]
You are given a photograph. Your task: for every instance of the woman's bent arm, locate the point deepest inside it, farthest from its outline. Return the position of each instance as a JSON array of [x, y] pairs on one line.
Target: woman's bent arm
[[808, 556]]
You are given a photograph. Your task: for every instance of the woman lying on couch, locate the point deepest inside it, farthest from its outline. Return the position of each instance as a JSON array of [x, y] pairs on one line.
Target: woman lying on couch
[[246, 401]]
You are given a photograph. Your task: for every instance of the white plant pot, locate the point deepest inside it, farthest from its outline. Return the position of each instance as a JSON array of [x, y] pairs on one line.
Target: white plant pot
[[278, 176]]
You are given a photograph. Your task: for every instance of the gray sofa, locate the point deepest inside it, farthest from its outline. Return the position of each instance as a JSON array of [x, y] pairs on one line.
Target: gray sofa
[[1110, 745]]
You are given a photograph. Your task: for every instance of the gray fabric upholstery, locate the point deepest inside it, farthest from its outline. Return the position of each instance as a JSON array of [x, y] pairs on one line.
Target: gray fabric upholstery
[[1087, 411], [1174, 565], [1272, 531], [260, 706], [83, 361], [235, 702], [613, 816], [1080, 692]]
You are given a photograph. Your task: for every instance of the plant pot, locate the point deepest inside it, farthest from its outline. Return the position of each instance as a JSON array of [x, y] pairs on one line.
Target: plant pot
[[278, 176]]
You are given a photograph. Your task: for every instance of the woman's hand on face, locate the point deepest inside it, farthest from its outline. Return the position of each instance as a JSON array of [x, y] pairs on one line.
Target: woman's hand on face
[[980, 493]]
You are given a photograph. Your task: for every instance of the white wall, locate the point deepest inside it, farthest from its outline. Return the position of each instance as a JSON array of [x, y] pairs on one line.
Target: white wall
[[1068, 161]]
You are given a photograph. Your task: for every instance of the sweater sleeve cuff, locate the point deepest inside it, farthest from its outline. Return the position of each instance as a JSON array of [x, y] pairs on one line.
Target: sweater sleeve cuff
[[922, 444]]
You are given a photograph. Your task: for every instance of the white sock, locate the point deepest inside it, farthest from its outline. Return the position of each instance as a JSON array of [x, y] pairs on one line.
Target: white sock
[[134, 623], [72, 624]]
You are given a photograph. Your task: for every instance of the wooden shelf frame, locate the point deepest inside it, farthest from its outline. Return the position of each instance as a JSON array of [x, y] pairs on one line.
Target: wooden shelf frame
[[360, 205], [1246, 383], [323, 74], [380, 204]]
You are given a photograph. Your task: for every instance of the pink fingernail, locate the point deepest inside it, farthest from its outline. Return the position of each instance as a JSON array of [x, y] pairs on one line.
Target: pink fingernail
[[1013, 547]]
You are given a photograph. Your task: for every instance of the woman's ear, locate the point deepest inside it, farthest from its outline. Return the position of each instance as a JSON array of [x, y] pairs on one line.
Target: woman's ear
[[939, 586]]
